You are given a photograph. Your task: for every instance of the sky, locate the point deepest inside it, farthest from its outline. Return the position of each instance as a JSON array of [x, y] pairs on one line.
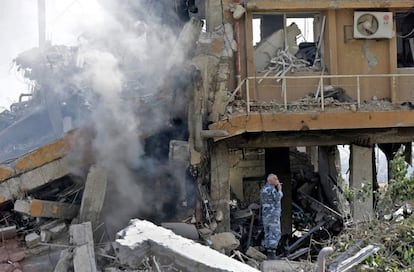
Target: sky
[[65, 20]]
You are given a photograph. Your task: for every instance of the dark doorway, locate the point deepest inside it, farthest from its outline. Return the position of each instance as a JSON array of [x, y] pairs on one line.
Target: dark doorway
[[277, 161]]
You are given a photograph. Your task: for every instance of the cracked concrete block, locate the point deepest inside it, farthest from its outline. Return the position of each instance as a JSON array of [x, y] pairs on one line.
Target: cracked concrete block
[[65, 262], [82, 261], [5, 172], [32, 239], [143, 238], [57, 230], [44, 208], [179, 151], [93, 196], [8, 232], [84, 254], [45, 236], [224, 242], [16, 186]]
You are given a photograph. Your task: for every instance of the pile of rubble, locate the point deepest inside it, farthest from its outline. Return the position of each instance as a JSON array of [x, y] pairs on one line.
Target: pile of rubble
[[335, 100]]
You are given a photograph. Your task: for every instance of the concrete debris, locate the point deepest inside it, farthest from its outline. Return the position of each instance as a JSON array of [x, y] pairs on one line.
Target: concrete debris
[[143, 245], [32, 239], [8, 232], [237, 10], [43, 208], [93, 196], [255, 254], [336, 99], [284, 62], [38, 180], [65, 262], [186, 230], [400, 214], [266, 50], [57, 230], [83, 255], [143, 238], [224, 242], [12, 188], [284, 266], [342, 264]]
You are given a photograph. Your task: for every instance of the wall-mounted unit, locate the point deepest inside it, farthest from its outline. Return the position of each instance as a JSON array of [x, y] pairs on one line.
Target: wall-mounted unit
[[373, 25]]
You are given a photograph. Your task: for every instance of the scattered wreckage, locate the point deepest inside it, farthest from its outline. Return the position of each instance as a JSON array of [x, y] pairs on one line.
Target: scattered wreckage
[[46, 211], [52, 213]]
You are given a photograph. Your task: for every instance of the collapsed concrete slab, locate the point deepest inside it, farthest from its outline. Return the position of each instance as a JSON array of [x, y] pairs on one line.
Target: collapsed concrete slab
[[143, 238], [14, 187], [44, 208]]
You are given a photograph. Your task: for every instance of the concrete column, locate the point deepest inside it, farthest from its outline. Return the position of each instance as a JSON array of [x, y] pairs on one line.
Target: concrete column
[[361, 175], [278, 162], [312, 151], [84, 255], [93, 196], [328, 174], [214, 13], [220, 183]]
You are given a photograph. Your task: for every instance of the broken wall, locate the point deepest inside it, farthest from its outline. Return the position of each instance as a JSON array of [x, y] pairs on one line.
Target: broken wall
[[344, 56]]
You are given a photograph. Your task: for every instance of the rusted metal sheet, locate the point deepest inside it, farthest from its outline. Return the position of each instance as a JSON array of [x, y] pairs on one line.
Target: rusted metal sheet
[[269, 122]]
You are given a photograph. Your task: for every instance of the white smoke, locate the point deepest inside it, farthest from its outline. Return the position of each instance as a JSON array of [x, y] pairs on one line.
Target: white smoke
[[122, 65], [122, 61]]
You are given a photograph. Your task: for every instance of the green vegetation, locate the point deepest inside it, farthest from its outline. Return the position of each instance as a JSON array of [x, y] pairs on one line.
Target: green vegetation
[[394, 234]]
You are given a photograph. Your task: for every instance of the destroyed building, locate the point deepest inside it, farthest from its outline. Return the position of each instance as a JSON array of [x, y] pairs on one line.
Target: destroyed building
[[182, 120]]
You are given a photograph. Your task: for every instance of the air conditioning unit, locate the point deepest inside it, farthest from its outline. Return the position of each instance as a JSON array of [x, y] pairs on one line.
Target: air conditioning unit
[[373, 25]]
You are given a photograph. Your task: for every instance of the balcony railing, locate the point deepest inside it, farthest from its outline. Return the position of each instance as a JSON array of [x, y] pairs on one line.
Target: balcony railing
[[322, 79]]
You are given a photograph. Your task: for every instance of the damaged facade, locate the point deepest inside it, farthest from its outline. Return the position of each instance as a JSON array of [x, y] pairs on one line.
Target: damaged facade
[[234, 99]]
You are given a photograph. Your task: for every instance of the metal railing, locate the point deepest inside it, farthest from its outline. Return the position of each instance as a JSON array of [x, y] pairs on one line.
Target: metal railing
[[320, 88]]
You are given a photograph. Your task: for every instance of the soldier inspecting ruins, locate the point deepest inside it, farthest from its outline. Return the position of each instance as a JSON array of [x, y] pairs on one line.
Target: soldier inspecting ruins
[[270, 196]]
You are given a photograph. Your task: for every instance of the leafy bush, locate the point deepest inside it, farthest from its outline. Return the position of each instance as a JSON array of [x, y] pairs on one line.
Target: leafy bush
[[395, 237]]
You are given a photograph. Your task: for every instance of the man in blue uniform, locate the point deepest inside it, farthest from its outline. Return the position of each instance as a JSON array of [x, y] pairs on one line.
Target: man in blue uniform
[[270, 196]]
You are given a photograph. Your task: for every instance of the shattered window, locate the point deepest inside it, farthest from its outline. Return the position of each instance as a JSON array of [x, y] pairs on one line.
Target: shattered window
[[405, 39], [297, 50]]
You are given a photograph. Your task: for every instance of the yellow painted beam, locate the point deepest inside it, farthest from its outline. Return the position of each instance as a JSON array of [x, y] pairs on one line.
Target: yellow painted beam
[[329, 4], [268, 122], [5, 172], [44, 154], [44, 208]]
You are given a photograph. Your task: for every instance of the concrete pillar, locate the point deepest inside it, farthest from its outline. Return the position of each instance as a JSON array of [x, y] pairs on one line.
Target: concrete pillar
[[328, 174], [220, 183], [312, 151], [361, 174], [214, 13], [93, 196], [278, 162], [84, 255]]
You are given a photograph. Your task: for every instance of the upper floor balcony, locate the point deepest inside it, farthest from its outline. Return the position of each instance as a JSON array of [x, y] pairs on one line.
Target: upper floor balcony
[[332, 70]]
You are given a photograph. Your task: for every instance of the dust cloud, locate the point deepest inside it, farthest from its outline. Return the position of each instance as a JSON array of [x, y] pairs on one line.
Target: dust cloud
[[119, 68], [124, 66]]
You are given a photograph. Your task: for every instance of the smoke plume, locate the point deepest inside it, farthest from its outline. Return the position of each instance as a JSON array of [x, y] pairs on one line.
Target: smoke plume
[[124, 68]]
